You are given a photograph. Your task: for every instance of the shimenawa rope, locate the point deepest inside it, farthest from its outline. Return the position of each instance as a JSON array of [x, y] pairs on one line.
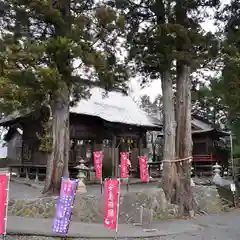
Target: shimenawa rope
[[178, 160]]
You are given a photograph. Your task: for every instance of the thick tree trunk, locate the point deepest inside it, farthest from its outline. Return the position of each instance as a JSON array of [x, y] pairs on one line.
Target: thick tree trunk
[[169, 135], [184, 195], [57, 165]]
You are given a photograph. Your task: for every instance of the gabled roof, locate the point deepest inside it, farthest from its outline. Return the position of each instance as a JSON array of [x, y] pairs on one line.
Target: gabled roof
[[114, 107], [200, 125]]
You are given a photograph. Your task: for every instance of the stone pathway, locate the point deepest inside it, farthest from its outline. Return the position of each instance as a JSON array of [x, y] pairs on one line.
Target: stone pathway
[[43, 227], [213, 227]]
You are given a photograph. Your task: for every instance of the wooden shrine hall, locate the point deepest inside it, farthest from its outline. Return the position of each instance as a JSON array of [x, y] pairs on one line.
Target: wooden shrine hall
[[112, 123], [209, 146]]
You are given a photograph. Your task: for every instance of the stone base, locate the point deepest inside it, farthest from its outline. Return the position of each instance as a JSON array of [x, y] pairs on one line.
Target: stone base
[[90, 208], [81, 188]]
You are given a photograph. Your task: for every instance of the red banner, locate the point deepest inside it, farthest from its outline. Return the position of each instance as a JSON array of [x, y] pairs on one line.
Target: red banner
[[124, 165], [111, 201], [98, 164], [3, 202], [143, 169]]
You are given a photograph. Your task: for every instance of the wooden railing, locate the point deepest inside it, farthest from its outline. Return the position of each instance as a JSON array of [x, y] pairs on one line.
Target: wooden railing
[[38, 172], [202, 165], [28, 171], [203, 158]]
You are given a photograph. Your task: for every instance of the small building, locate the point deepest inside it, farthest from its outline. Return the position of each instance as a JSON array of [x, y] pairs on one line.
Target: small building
[[112, 122], [209, 146]]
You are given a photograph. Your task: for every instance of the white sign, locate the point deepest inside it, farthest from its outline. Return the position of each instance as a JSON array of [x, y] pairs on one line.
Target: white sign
[[233, 187]]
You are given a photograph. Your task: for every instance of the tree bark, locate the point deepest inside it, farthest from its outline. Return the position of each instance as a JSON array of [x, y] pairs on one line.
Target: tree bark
[[169, 135], [57, 165], [184, 194]]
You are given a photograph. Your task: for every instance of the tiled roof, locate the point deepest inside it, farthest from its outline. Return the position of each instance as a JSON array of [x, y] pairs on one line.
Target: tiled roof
[[200, 124], [113, 107]]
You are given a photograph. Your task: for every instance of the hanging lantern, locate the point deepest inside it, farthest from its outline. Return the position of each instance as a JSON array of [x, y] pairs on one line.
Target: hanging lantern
[[88, 154]]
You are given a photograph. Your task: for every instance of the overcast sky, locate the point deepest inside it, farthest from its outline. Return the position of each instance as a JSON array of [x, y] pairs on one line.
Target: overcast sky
[[155, 87]]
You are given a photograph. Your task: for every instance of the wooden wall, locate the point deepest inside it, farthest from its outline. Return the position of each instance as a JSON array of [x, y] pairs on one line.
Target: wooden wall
[[31, 143], [14, 148], [202, 144], [86, 129]]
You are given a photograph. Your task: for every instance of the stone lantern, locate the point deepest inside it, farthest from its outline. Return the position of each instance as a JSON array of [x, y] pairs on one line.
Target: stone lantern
[[216, 169], [216, 174], [81, 188]]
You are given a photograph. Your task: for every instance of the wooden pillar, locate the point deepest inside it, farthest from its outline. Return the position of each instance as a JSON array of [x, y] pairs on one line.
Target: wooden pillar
[[22, 150], [141, 143], [114, 139]]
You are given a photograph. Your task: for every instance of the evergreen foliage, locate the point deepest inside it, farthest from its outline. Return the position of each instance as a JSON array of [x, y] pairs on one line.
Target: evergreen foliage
[[45, 44], [51, 53]]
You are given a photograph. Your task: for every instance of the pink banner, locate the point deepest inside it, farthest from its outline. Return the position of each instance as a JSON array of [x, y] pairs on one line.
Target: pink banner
[[124, 165], [3, 202], [98, 164], [143, 169], [111, 201]]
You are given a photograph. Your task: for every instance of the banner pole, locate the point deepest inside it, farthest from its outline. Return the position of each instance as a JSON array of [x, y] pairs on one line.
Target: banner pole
[[101, 183], [116, 234], [101, 180], [74, 197], [7, 199]]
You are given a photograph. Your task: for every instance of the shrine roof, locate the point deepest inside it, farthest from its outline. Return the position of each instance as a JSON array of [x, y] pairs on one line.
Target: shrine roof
[[113, 107]]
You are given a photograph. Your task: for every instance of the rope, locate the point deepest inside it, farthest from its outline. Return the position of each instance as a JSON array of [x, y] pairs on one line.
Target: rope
[[178, 160]]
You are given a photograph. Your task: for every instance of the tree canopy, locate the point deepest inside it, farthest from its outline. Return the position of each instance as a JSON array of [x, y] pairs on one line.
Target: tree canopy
[[45, 44], [51, 53]]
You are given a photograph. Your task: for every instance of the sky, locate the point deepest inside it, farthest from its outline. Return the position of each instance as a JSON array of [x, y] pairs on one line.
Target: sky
[[155, 87]]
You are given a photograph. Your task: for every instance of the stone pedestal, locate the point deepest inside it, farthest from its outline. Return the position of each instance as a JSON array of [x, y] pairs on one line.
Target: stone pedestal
[[81, 188], [146, 219]]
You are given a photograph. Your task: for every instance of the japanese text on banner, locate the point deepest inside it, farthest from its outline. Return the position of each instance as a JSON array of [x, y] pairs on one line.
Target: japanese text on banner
[[64, 206], [143, 169], [124, 165], [98, 164], [3, 202], [111, 196]]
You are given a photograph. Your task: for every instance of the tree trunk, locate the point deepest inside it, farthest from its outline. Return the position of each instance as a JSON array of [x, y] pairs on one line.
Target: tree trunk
[[184, 195], [169, 135], [57, 165]]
